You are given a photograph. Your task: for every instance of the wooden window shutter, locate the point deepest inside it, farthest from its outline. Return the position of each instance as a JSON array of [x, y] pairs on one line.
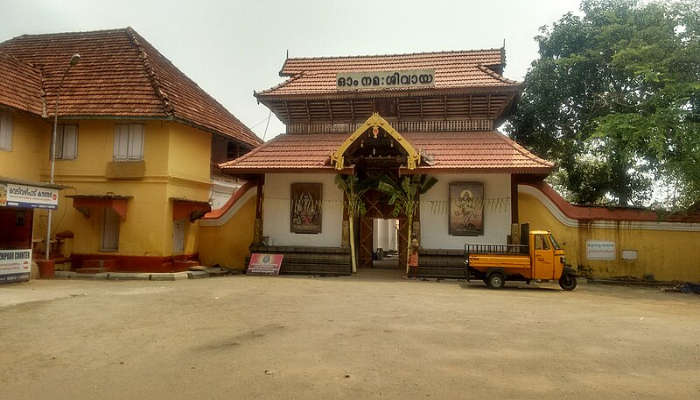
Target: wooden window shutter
[[5, 131]]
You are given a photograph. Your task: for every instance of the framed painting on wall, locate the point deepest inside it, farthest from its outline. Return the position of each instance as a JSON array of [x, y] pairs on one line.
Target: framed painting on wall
[[466, 214], [305, 209]]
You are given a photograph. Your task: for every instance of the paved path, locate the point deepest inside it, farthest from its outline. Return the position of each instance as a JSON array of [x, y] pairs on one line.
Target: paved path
[[367, 336]]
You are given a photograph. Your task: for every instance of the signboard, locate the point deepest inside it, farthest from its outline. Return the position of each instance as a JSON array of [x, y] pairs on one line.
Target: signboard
[[629, 255], [15, 265], [410, 78], [600, 250], [265, 264], [15, 195]]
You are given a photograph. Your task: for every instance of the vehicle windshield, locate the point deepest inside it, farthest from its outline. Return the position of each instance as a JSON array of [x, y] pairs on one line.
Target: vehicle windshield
[[555, 244]]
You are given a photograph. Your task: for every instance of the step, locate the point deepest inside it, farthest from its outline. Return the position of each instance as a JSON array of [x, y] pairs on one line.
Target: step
[[90, 270]]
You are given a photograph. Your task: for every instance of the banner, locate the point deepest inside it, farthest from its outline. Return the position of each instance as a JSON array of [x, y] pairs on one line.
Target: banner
[[15, 265], [265, 264], [15, 195]]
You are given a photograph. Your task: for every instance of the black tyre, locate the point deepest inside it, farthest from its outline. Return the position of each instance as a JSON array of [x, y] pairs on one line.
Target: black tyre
[[495, 281], [567, 282]]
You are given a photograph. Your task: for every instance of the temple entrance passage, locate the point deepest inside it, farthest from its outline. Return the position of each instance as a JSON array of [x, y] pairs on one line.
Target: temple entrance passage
[[385, 243], [378, 210]]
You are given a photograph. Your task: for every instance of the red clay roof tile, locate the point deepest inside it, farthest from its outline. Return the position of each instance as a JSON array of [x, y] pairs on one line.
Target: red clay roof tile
[[453, 70], [120, 74], [20, 85], [452, 151]]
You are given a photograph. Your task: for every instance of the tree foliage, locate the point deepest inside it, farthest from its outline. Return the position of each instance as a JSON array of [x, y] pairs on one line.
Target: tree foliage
[[613, 99], [404, 195]]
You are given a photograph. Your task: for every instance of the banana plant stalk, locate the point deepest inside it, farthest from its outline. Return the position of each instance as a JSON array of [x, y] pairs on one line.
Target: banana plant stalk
[[404, 196], [353, 189]]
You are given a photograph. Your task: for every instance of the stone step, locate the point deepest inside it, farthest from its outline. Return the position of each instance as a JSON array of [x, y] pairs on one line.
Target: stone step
[[90, 270]]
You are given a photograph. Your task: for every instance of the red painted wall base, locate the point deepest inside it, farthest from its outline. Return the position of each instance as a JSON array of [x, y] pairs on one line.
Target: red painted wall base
[[119, 263]]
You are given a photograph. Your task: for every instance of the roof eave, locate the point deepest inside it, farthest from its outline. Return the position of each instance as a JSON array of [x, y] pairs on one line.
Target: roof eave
[[511, 89], [540, 171], [262, 170]]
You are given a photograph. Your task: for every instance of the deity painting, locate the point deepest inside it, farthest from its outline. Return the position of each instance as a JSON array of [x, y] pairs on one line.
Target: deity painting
[[466, 209], [305, 211]]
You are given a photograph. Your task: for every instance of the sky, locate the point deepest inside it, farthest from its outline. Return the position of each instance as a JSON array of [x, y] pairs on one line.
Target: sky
[[231, 48]]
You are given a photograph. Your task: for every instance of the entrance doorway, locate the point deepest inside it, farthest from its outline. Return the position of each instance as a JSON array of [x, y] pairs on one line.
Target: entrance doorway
[[385, 239], [378, 210]]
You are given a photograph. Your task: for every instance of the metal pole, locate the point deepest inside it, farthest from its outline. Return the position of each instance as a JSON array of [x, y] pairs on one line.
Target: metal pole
[[53, 164]]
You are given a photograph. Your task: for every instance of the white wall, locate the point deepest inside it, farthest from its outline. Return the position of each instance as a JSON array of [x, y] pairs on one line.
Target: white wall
[[385, 234], [434, 212], [276, 211]]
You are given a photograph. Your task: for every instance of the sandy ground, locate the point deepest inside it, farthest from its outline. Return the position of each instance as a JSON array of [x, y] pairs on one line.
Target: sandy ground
[[368, 336]]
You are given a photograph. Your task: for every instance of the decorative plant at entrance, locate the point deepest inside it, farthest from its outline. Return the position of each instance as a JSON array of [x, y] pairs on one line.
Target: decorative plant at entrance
[[353, 189], [403, 195]]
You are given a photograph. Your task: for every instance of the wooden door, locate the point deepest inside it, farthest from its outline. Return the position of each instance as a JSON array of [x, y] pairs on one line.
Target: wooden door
[[179, 236], [110, 230], [365, 242]]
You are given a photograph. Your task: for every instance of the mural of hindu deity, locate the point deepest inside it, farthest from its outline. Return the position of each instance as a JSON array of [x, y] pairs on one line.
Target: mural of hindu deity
[[466, 209], [306, 208]]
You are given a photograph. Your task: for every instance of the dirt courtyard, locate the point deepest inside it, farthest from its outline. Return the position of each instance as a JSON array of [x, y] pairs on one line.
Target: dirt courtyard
[[367, 336]]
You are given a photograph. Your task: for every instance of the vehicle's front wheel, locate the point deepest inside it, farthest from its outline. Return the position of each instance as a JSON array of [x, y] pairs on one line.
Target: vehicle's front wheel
[[567, 282], [495, 280]]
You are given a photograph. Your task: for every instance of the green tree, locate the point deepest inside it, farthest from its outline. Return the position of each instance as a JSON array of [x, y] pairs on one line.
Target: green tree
[[613, 99], [403, 195]]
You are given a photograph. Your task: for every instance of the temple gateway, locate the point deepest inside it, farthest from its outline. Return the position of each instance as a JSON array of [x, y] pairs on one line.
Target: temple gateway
[[393, 119]]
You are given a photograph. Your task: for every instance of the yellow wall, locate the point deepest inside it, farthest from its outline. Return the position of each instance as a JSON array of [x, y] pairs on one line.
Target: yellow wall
[[189, 171], [177, 161], [228, 244], [665, 254], [28, 135]]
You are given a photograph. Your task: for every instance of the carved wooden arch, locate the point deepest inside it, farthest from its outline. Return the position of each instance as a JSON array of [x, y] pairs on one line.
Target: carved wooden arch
[[376, 121]]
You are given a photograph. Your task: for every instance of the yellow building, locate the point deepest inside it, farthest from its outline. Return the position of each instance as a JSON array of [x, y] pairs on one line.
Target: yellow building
[[135, 144]]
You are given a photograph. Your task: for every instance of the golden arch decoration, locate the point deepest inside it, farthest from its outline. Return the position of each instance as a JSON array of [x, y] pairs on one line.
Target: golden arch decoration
[[376, 121]]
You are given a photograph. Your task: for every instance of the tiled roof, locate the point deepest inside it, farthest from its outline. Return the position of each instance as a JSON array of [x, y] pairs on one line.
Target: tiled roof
[[120, 74], [455, 151], [438, 60], [289, 152], [20, 85], [453, 70], [475, 150]]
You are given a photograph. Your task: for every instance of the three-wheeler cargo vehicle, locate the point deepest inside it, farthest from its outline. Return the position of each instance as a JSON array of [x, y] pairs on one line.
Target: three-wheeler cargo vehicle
[[541, 259]]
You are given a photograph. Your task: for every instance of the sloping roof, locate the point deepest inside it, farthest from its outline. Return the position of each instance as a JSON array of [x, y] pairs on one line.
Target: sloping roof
[[438, 59], [20, 85], [455, 151], [453, 69], [120, 74]]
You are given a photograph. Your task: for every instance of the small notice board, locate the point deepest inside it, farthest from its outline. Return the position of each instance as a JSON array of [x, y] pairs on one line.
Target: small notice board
[[265, 264], [15, 265]]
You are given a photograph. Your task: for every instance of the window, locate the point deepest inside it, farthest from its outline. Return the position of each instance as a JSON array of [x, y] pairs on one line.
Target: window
[[555, 244], [541, 243], [5, 131], [128, 142], [66, 142], [110, 230]]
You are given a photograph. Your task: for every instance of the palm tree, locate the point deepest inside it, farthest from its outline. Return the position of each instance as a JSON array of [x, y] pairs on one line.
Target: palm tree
[[353, 189], [404, 198]]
